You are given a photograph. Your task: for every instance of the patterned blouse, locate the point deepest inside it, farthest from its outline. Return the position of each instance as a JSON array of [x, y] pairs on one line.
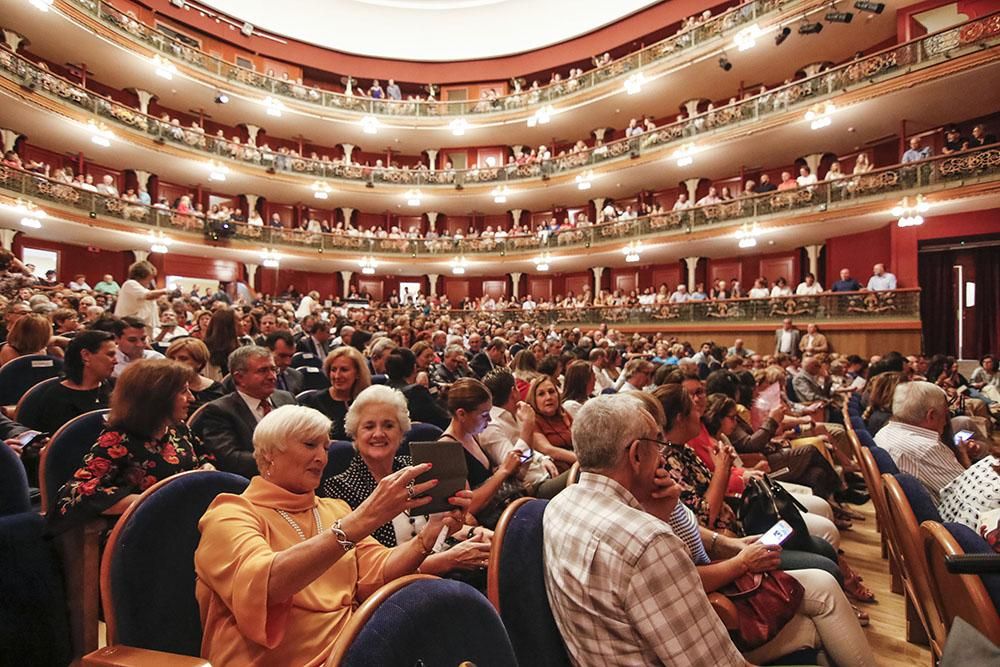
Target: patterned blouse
[[120, 464], [694, 477]]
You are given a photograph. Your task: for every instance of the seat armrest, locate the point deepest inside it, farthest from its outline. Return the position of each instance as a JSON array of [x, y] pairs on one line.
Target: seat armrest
[[129, 656], [752, 459], [726, 610], [973, 564]]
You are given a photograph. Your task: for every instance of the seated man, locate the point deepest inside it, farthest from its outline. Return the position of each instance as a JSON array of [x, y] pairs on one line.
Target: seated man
[[637, 374], [913, 436], [401, 367], [622, 586], [133, 343], [226, 425], [452, 366], [282, 346], [494, 355]]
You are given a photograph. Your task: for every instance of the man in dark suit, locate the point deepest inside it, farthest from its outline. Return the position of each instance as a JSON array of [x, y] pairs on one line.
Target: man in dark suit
[[282, 347], [318, 340], [401, 367], [494, 355], [786, 339], [226, 425]]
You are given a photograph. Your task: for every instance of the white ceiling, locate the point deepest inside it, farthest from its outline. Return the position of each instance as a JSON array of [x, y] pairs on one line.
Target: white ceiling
[[431, 30]]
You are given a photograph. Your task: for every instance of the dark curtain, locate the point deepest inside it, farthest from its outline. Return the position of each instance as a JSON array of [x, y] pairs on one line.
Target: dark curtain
[[937, 302], [987, 333]]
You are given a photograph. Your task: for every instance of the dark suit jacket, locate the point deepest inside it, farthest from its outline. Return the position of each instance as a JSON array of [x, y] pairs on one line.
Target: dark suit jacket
[[293, 381], [481, 364], [422, 406], [307, 344], [226, 428]]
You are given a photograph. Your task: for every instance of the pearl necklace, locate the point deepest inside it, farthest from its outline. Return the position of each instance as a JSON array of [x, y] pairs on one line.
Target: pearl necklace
[[298, 529]]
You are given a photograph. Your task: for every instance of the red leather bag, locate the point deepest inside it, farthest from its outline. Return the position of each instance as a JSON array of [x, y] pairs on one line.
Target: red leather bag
[[765, 602]]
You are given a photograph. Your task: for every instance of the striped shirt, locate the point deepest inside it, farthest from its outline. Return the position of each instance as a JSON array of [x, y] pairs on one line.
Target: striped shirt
[[623, 588], [920, 452]]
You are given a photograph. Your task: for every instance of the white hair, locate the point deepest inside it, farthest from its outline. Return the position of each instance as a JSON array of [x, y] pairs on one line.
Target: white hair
[[912, 400], [377, 394], [284, 424], [602, 428]]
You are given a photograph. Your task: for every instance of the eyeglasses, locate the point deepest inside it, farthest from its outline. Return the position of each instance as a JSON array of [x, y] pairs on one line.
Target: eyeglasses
[[662, 446]]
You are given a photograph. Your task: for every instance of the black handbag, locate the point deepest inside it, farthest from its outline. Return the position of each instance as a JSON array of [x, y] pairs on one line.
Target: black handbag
[[766, 502]]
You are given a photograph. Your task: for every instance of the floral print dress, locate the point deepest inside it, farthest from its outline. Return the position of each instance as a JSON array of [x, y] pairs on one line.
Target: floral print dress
[[694, 477], [120, 464]]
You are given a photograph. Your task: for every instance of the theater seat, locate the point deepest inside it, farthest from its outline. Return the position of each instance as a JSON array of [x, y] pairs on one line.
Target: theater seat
[[884, 462], [32, 404], [339, 454], [300, 359], [423, 620], [419, 432], [313, 378], [14, 493], [866, 439], [65, 451], [380, 378], [19, 375]]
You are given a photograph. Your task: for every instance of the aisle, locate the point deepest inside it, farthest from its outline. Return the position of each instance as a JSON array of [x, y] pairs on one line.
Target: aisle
[[887, 631]]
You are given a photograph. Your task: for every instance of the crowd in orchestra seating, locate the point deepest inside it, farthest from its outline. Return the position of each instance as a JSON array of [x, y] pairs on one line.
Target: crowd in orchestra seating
[[274, 378]]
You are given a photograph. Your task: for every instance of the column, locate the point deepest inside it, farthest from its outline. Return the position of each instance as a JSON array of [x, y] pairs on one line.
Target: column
[[10, 138], [347, 212], [515, 281], [432, 218], [143, 178], [252, 132], [599, 133], [515, 216], [432, 282], [13, 39], [7, 238], [432, 158], [812, 252], [598, 272], [692, 187], [692, 266], [252, 275], [145, 97], [812, 161], [251, 202], [346, 277], [598, 208], [140, 255], [691, 106], [348, 149]]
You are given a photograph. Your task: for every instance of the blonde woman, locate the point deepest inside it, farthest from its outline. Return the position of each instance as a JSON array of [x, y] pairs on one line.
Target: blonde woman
[[349, 376]]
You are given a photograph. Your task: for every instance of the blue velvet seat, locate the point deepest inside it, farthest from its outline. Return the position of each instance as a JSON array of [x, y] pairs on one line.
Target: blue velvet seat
[[430, 622], [380, 378], [148, 570], [31, 407], [419, 432], [313, 378], [884, 462], [339, 454], [790, 391], [865, 438], [300, 359], [517, 586], [14, 494], [19, 375], [973, 543], [920, 499], [65, 452], [858, 424]]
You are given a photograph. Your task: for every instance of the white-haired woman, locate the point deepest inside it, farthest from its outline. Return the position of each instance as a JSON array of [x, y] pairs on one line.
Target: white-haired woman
[[280, 571], [376, 421]]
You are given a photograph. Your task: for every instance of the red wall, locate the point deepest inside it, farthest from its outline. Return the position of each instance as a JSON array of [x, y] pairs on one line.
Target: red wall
[[859, 253], [74, 259], [904, 242]]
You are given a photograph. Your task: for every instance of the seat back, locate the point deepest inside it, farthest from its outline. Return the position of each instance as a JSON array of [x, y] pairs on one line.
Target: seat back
[[147, 572], [858, 424], [420, 432], [866, 439], [19, 375], [300, 359], [32, 404], [380, 378], [873, 480], [338, 456], [423, 620], [14, 494], [962, 596], [302, 395], [65, 451], [194, 421], [884, 462], [313, 378], [905, 534], [790, 390], [516, 585]]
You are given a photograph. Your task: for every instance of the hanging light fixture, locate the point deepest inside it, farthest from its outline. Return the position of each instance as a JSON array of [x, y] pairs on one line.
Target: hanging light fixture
[[321, 190], [633, 84], [542, 261], [583, 181], [158, 242], [911, 215], [633, 251], [748, 235], [542, 116], [685, 155], [31, 215], [820, 115], [368, 265], [458, 265], [412, 197], [458, 126], [274, 106], [217, 171], [500, 195], [369, 125], [164, 68], [747, 38], [270, 259], [100, 135]]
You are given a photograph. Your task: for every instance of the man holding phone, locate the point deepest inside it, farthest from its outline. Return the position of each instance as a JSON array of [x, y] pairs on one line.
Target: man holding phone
[[622, 586]]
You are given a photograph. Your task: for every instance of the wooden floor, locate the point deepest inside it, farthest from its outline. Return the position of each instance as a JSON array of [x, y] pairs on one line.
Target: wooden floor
[[887, 631]]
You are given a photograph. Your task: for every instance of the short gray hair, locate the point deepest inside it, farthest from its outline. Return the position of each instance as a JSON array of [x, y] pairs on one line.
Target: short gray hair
[[239, 359], [912, 400], [454, 349], [377, 394], [285, 424], [380, 345], [603, 427]]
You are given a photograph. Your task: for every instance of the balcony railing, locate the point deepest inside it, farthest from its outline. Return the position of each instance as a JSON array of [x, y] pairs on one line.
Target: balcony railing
[[937, 173], [716, 29], [900, 304], [922, 52]]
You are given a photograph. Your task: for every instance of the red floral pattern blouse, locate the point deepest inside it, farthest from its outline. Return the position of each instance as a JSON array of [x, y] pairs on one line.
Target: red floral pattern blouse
[[120, 464]]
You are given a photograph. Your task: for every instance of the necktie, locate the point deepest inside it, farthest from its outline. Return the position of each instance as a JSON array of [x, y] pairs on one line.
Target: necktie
[[281, 381], [264, 407]]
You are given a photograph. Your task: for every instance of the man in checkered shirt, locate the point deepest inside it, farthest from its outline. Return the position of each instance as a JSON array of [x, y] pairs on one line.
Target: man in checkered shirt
[[622, 587]]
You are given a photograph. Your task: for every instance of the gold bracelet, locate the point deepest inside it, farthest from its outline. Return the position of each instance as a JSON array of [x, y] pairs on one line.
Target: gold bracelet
[[711, 549]]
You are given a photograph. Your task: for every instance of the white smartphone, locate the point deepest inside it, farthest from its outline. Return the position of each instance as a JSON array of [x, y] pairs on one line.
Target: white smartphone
[[962, 436], [777, 534]]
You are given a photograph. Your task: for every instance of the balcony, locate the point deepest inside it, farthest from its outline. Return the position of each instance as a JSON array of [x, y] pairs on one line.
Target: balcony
[[713, 33], [879, 189]]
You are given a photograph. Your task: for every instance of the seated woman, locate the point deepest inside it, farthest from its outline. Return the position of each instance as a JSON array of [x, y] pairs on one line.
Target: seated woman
[[401, 367], [30, 334], [824, 614], [974, 494], [578, 386], [553, 424], [377, 421], [469, 403], [525, 369], [145, 440], [349, 376], [280, 572], [90, 360], [880, 392], [194, 354], [221, 338]]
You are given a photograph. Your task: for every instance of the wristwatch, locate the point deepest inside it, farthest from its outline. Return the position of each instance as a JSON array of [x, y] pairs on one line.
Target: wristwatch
[[341, 536]]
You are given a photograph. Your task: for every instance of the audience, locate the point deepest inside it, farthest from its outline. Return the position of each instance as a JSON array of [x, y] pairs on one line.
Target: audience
[[348, 373], [194, 354]]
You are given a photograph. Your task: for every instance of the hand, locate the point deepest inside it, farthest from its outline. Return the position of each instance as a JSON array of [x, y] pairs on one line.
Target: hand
[[392, 497], [751, 473], [525, 414], [763, 466], [974, 449], [510, 464], [722, 459], [14, 444], [777, 413], [757, 557], [469, 555], [663, 499], [423, 378], [550, 467]]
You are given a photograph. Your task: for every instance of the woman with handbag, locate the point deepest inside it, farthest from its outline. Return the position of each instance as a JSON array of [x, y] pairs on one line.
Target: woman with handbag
[[778, 612]]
